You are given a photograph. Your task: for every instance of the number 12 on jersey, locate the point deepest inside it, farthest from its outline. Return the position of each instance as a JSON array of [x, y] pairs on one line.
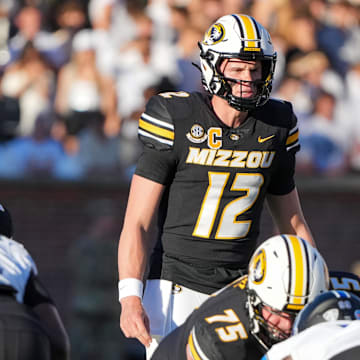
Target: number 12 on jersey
[[229, 227]]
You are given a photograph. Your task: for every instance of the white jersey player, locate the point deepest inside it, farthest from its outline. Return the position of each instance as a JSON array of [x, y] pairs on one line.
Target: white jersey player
[[16, 266], [327, 329], [29, 319], [320, 342]]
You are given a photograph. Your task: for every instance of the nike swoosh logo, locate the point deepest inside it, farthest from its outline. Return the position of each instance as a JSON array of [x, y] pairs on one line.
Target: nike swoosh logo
[[261, 140]]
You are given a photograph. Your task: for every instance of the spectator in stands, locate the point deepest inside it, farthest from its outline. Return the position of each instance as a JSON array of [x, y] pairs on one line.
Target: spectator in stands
[[10, 115], [28, 24], [29, 320], [31, 80], [98, 153], [139, 64], [313, 71], [300, 35], [352, 107], [324, 143], [82, 88], [69, 166], [34, 155], [339, 35], [133, 44], [186, 50], [69, 17]]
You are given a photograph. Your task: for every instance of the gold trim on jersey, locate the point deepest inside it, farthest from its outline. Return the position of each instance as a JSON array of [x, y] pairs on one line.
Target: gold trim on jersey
[[240, 283], [159, 130], [293, 138], [156, 130], [211, 211], [195, 349]]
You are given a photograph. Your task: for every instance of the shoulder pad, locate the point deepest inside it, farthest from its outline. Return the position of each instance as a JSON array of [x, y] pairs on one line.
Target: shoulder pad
[[156, 128], [201, 344], [282, 115]]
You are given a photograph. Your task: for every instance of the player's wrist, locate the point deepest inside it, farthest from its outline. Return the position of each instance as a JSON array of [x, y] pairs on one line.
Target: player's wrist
[[130, 287]]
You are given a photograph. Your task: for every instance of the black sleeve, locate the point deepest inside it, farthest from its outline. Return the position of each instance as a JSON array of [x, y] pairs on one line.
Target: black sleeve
[[171, 347], [35, 292], [158, 166], [283, 181], [157, 133]]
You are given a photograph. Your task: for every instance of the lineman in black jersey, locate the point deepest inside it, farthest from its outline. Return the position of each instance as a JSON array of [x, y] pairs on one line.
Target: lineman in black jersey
[[209, 162], [30, 325], [251, 314]]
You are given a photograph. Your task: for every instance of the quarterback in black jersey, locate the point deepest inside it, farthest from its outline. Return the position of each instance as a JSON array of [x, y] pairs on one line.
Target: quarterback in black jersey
[[247, 317], [208, 165]]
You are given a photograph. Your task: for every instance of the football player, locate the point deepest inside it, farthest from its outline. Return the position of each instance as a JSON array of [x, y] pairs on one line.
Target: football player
[[210, 161], [248, 316], [324, 330], [30, 325], [344, 280]]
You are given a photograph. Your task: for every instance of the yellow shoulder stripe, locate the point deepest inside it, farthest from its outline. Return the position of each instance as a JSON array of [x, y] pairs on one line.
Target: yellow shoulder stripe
[[292, 138], [193, 351], [156, 130]]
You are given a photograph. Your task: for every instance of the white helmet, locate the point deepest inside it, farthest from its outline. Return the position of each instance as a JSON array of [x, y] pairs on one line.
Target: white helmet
[[241, 37], [285, 273]]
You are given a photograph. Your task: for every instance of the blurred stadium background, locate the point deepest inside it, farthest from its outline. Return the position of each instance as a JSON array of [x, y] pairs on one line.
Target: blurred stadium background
[[74, 77]]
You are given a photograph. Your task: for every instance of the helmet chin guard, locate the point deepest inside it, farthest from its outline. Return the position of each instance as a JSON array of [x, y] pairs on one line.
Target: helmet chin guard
[[237, 37]]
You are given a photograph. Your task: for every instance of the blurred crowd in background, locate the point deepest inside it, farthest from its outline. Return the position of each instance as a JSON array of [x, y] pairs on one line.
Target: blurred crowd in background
[[75, 76]]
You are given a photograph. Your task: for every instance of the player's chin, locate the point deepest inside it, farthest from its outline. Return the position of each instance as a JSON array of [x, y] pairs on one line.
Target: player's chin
[[246, 95]]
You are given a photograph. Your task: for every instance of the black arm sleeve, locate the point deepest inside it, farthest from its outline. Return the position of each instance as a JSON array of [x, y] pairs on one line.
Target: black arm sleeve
[[35, 292]]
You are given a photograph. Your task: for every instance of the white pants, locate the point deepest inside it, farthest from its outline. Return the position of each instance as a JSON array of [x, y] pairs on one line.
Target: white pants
[[168, 305]]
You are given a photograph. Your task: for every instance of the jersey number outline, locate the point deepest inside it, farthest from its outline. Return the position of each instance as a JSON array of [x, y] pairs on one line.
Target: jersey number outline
[[232, 332], [229, 227], [344, 283]]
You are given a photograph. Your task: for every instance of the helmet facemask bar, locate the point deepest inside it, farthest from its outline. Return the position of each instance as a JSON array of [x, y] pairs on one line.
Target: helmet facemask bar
[[263, 330]]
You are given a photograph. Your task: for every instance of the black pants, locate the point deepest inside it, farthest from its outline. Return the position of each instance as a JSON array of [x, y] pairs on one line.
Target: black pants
[[21, 335]]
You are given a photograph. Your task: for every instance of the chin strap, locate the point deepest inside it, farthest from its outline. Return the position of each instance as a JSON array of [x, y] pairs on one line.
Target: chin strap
[[254, 324]]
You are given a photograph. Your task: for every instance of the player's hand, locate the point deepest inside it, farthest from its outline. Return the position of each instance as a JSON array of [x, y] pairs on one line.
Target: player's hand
[[134, 321]]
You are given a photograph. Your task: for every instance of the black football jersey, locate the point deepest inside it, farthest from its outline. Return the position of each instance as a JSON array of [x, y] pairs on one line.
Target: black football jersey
[[216, 181], [343, 280], [218, 330]]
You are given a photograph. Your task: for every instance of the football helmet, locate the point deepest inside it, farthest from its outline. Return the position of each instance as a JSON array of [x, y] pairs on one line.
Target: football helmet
[[329, 306], [284, 274], [237, 36]]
